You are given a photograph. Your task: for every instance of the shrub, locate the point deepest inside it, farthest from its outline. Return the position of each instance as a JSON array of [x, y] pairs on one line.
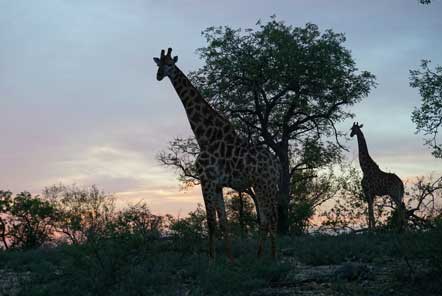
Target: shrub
[[137, 221]]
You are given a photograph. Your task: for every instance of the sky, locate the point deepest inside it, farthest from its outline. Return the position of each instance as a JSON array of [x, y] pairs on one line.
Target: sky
[[80, 103]]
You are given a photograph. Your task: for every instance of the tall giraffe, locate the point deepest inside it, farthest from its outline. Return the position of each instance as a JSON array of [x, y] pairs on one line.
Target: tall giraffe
[[375, 182], [225, 160]]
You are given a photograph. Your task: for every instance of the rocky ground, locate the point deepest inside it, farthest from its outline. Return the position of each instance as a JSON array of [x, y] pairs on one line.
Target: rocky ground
[[10, 282], [350, 278]]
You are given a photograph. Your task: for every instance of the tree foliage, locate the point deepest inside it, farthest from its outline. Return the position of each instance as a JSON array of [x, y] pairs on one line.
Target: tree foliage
[[280, 83], [428, 116], [181, 154]]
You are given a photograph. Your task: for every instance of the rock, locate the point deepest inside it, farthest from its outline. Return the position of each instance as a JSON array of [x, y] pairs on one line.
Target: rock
[[352, 271]]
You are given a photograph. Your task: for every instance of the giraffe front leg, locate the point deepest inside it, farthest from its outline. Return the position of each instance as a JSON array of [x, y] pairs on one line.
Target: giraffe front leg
[[273, 230], [211, 223], [261, 241], [273, 241], [401, 218], [369, 197], [371, 221], [263, 231], [222, 217], [209, 202], [267, 227]]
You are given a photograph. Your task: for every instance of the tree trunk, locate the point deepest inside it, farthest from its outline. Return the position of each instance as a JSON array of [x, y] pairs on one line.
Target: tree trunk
[[284, 191]]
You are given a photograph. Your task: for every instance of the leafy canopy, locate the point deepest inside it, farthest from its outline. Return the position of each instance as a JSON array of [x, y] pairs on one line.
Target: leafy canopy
[[280, 82], [428, 117]]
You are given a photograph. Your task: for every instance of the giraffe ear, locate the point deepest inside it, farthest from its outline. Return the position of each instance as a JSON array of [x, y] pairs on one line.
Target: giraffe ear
[[361, 126], [175, 59], [157, 61]]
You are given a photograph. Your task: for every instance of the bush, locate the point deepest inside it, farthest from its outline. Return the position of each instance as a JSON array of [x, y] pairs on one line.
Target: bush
[[188, 233]]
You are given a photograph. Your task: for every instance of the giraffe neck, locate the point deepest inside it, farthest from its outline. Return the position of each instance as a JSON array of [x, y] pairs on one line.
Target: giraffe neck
[[206, 123], [366, 162]]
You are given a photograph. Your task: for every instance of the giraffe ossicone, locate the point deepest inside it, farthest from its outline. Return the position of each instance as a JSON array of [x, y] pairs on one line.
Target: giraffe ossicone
[[225, 160]]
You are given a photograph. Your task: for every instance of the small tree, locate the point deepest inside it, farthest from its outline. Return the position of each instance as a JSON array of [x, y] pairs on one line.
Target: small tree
[[84, 212], [5, 205], [188, 233], [428, 117], [348, 212], [194, 226], [137, 220], [26, 222], [241, 213], [312, 189]]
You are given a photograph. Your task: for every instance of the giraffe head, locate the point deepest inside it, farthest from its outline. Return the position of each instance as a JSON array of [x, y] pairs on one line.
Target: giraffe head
[[355, 129], [165, 64]]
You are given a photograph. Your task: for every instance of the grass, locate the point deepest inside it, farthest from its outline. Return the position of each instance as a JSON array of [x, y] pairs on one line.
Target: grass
[[370, 248], [136, 267]]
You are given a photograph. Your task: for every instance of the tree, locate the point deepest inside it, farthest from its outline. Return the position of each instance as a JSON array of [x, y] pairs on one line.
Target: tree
[[26, 222], [311, 189], [424, 202], [428, 117], [284, 87], [241, 213], [5, 205], [84, 212]]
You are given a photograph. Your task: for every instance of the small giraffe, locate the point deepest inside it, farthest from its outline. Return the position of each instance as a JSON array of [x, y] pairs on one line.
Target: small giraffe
[[375, 182], [225, 160]]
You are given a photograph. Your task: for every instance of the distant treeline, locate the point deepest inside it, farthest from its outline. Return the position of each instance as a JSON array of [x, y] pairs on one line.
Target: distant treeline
[[331, 202]]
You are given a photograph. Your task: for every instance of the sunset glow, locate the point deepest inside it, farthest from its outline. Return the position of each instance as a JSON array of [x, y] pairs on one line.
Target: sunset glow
[[80, 102]]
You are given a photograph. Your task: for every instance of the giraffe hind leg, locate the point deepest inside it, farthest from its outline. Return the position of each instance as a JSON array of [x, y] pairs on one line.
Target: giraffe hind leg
[[262, 238], [371, 221], [267, 228], [268, 218]]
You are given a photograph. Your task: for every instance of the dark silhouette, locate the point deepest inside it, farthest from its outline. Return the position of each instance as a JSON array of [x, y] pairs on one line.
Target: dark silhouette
[[225, 160], [375, 182]]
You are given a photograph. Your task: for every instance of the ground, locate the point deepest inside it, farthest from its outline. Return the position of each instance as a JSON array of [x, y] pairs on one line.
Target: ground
[[364, 264]]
